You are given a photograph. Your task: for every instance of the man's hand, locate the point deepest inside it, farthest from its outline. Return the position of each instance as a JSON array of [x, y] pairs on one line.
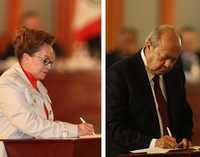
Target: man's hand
[[185, 143], [166, 142], [85, 129]]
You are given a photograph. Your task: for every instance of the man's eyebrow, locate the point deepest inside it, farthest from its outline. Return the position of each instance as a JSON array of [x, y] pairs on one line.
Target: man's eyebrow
[[168, 56], [173, 57]]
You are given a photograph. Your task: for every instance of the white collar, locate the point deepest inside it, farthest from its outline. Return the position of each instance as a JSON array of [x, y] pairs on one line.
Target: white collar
[[150, 75], [40, 87]]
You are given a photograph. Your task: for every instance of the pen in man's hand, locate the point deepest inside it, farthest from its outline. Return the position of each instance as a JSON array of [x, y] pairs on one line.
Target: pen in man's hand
[[169, 132]]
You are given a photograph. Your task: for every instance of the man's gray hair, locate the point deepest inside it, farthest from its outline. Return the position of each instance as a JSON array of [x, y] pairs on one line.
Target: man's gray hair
[[155, 35]]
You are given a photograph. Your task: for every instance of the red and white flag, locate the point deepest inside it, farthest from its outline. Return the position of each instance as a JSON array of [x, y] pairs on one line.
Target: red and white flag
[[87, 20]]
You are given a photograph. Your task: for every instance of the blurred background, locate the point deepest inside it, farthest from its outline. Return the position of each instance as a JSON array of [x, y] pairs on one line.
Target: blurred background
[[74, 83], [128, 22]]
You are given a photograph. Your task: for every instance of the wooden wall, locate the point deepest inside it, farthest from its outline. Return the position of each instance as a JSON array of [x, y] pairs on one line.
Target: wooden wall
[[193, 94], [74, 95], [63, 13], [114, 22]]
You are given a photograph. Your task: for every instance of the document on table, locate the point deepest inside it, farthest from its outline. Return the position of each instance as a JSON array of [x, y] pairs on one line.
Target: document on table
[[76, 138], [151, 150], [91, 136], [157, 150]]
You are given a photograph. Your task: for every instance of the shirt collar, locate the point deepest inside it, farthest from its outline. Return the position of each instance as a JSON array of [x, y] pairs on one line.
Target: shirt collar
[[150, 75], [30, 77]]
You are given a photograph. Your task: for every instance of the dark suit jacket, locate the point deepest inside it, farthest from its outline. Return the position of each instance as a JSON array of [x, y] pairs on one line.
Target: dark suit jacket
[[113, 57], [131, 120]]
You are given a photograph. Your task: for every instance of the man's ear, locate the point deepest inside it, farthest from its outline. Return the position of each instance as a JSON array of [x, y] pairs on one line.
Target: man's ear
[[148, 46]]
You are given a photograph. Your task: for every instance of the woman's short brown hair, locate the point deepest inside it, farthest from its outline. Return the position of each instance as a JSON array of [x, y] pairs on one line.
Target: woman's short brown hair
[[30, 40]]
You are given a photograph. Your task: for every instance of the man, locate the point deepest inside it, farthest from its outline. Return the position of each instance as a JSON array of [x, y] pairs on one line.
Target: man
[[32, 20], [127, 45], [146, 94], [189, 57]]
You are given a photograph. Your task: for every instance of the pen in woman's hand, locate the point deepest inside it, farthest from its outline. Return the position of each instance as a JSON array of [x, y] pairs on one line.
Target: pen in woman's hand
[[82, 120]]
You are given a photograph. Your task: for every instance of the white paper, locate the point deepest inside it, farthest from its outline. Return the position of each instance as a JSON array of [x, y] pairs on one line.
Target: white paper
[[91, 136], [156, 150]]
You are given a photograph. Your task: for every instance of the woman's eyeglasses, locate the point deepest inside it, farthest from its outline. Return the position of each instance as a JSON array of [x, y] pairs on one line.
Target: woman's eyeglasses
[[46, 61]]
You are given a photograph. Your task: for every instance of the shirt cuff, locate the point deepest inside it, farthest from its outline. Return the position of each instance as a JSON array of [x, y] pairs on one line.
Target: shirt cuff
[[70, 130], [153, 143]]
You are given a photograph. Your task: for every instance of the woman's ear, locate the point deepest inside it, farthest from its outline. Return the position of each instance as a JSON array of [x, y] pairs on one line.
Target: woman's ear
[[25, 56]]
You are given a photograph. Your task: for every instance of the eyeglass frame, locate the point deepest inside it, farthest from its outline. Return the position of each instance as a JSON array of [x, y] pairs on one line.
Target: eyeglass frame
[[49, 62]]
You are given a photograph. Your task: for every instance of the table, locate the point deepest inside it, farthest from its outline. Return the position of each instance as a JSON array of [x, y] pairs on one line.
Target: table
[[170, 154], [77, 147]]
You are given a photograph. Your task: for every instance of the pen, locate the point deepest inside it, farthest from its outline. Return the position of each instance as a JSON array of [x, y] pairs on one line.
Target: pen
[[169, 132], [82, 120]]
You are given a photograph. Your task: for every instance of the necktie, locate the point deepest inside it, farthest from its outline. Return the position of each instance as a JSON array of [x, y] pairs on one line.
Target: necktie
[[162, 104]]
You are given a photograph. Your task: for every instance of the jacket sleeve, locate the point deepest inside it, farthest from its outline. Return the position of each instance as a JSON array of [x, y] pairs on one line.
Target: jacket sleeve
[[22, 115], [118, 130], [187, 119]]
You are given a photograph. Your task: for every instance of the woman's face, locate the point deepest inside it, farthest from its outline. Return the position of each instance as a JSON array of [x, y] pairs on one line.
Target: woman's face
[[40, 62]]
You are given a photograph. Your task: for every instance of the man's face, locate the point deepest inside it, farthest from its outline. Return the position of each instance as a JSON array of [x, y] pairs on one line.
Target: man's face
[[161, 59], [129, 43], [190, 41], [33, 22]]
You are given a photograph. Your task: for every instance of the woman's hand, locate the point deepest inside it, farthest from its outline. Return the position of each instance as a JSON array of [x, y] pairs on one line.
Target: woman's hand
[[85, 129]]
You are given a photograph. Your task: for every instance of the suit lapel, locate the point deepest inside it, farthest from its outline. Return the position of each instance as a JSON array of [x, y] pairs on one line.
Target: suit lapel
[[143, 87], [142, 92], [143, 81], [148, 99]]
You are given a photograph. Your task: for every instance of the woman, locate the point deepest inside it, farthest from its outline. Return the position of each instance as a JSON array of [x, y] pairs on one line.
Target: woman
[[25, 107]]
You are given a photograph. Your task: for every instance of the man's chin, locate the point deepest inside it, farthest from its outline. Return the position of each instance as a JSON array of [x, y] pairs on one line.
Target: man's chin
[[162, 72]]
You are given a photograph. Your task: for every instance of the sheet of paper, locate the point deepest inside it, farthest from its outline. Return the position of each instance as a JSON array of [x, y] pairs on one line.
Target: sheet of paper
[[156, 150], [196, 147], [91, 136], [75, 138]]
